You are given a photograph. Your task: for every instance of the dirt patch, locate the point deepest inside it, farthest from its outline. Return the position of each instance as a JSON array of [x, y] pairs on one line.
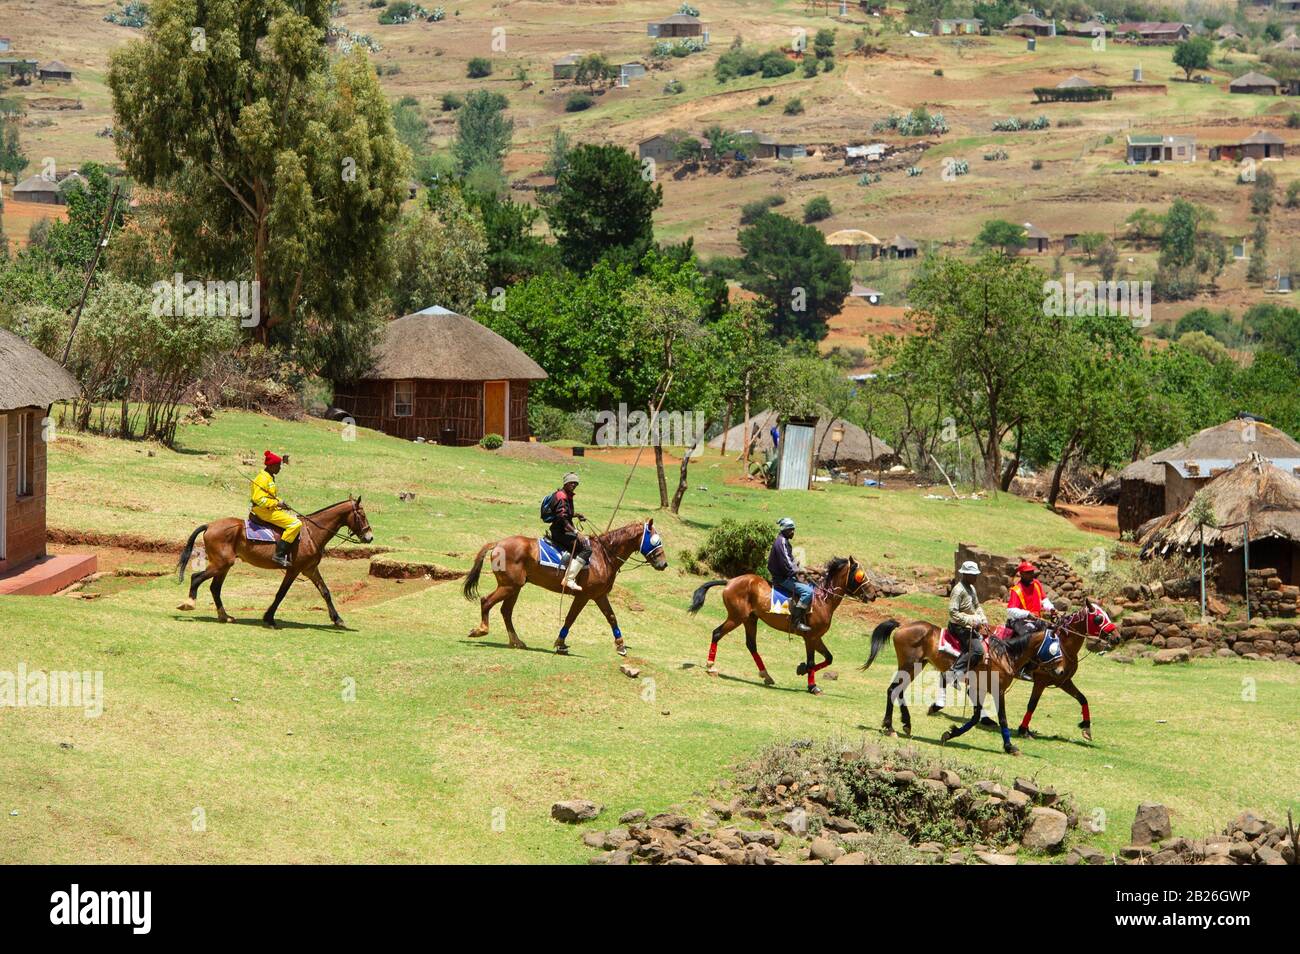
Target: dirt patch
[[390, 569], [54, 103], [73, 539], [1103, 520], [528, 450]]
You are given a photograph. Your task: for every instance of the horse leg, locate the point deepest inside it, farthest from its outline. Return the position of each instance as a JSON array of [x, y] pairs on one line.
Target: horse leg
[[940, 694], [751, 643], [1024, 731], [561, 647], [895, 685], [978, 700], [217, 581], [1007, 747], [723, 628], [197, 579], [602, 602], [810, 668], [269, 616], [502, 591], [314, 575], [1086, 724], [508, 615]]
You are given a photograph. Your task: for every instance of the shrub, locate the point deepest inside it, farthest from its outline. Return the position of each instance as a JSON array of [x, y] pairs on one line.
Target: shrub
[[734, 547], [578, 102], [491, 441], [451, 101], [766, 100], [1036, 164], [817, 209], [809, 67], [673, 87], [1293, 121], [794, 107], [752, 210], [479, 67]]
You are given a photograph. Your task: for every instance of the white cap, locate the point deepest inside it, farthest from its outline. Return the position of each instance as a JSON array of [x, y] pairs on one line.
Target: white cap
[[970, 567]]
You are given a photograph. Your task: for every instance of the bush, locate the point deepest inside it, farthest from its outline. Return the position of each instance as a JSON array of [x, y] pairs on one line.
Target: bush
[[673, 87], [491, 441], [766, 100], [809, 67], [578, 102], [815, 210], [479, 67], [551, 424], [1293, 121], [734, 547], [750, 211], [794, 107], [451, 101]]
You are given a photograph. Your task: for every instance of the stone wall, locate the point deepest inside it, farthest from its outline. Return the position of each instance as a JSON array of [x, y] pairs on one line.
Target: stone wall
[[1168, 627], [1063, 585], [1269, 596]]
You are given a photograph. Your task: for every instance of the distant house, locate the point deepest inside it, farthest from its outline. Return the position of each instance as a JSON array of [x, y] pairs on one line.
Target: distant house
[[1156, 148], [1027, 24], [29, 383], [1290, 44], [46, 191], [1287, 6], [1261, 145], [1087, 28], [1253, 82], [955, 27], [767, 146], [678, 25], [869, 295], [55, 71], [1151, 32], [1036, 240], [661, 147], [854, 244], [1075, 82], [871, 153], [444, 377], [12, 66], [900, 246], [1228, 32], [629, 71], [566, 67]]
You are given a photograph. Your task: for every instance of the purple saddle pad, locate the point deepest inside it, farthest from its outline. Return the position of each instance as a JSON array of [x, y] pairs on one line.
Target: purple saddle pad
[[258, 533]]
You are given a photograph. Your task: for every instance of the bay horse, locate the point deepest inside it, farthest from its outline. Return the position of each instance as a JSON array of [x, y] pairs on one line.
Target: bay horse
[[225, 543], [1097, 624], [748, 598], [515, 564]]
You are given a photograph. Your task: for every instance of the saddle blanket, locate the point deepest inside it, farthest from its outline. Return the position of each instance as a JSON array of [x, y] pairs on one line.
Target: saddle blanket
[[948, 642], [780, 605], [256, 532], [1050, 651], [549, 555]]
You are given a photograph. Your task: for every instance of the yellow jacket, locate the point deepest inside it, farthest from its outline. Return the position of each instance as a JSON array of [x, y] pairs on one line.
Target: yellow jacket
[[262, 493]]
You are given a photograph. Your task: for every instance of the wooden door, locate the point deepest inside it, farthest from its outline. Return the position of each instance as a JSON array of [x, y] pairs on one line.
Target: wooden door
[[496, 406]]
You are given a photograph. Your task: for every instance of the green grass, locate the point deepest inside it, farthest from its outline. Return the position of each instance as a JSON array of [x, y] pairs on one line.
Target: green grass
[[448, 735]]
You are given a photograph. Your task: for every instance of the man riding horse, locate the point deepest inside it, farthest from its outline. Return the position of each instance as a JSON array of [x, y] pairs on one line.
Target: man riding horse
[[270, 509], [965, 618], [565, 535], [783, 567]]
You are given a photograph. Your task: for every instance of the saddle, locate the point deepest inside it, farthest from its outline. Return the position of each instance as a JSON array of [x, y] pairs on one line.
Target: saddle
[[259, 531], [549, 555], [780, 603]]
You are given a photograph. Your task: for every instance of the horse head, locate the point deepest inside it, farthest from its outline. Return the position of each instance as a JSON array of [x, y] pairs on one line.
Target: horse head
[[1100, 625], [652, 546], [358, 523]]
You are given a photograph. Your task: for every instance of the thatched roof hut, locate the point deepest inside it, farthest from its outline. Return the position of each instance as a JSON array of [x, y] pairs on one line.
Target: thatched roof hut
[[28, 378], [1143, 483], [858, 450], [442, 376], [851, 242], [1252, 494]]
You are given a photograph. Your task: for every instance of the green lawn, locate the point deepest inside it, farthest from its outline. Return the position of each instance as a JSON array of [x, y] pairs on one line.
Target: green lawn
[[454, 749]]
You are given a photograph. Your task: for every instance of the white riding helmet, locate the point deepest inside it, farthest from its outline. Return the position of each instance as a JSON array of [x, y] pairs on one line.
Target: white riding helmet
[[970, 567]]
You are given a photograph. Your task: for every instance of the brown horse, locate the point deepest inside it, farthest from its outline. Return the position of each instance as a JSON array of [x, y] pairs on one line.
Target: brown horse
[[748, 599], [915, 644], [515, 563], [1097, 624], [224, 542]]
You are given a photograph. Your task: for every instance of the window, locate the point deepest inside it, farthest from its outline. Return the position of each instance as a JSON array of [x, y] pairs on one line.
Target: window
[[403, 398], [26, 451]]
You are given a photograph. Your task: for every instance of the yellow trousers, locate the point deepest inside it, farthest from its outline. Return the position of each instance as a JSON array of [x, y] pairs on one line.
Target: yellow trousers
[[284, 519]]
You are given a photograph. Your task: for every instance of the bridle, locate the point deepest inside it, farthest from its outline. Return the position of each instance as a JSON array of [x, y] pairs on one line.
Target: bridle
[[852, 571], [646, 550], [1086, 613], [350, 536]]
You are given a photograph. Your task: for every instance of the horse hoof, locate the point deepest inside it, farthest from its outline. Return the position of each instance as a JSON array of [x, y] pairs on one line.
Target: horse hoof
[[186, 606], [889, 731], [947, 734], [933, 710], [1011, 750], [561, 649], [815, 690], [1026, 733], [475, 633], [1087, 734], [907, 731], [767, 679], [801, 669], [711, 670], [620, 648], [338, 623], [223, 618]]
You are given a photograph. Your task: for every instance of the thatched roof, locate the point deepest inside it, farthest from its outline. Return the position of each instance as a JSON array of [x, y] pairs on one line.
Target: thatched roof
[[1034, 232], [1075, 82], [1264, 137], [1253, 79], [851, 237], [857, 449], [440, 345], [1254, 490], [1232, 440], [28, 378]]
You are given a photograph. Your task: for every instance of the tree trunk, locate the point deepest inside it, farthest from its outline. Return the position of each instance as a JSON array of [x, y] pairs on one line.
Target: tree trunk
[[1055, 489], [680, 492], [1013, 465], [744, 454], [726, 428], [659, 469]]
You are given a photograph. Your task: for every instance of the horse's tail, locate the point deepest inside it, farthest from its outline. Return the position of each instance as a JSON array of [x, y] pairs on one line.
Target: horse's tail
[[471, 581], [697, 600], [879, 638], [185, 554]]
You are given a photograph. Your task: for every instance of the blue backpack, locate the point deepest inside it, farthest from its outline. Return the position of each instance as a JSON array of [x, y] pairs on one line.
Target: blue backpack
[[548, 508]]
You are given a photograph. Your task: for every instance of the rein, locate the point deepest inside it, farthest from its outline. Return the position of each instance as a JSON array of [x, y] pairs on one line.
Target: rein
[[350, 536]]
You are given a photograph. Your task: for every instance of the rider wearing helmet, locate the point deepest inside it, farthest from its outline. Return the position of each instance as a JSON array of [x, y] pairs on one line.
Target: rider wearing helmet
[[782, 567], [565, 536]]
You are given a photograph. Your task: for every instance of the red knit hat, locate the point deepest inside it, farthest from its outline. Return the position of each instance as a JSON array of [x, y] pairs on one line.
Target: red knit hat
[[269, 458]]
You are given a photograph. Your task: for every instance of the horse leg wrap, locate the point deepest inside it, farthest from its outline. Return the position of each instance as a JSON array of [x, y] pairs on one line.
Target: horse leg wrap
[[758, 660], [618, 633], [1086, 716], [1029, 714], [564, 633], [1006, 737], [713, 652]]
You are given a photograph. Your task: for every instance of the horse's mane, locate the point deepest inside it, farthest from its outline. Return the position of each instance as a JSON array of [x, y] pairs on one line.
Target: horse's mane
[[1013, 646], [330, 507], [836, 564]]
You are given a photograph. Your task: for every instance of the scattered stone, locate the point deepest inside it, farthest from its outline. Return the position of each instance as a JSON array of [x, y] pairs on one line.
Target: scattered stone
[[824, 850], [1150, 824], [630, 671], [1046, 829], [1165, 657], [574, 811], [632, 817]]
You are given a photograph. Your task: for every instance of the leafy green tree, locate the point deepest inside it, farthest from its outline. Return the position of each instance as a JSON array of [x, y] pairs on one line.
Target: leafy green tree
[[514, 252], [1193, 54], [816, 209], [71, 244], [593, 69], [289, 162], [557, 154], [440, 257], [483, 133], [1001, 234], [790, 265], [13, 160], [601, 203]]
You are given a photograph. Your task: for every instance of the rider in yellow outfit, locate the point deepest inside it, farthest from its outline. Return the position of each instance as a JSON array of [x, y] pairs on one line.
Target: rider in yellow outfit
[[268, 507]]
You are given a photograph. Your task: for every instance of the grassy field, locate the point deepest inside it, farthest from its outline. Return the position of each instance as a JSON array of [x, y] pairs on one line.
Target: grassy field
[[454, 749]]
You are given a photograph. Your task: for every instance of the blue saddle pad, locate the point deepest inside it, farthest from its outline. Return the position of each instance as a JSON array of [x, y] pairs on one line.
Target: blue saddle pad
[[549, 555], [258, 533], [1050, 651], [780, 602]]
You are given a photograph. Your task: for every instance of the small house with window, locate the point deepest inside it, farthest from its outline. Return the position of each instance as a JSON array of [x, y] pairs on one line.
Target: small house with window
[[29, 383], [442, 377]]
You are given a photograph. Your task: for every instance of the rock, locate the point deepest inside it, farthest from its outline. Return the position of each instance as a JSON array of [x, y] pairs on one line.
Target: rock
[[950, 778], [574, 811], [1150, 824], [993, 858], [619, 857], [1029, 788], [1268, 856], [824, 850], [593, 839], [632, 817], [1019, 799], [1046, 829], [670, 822], [1165, 657], [842, 825], [630, 671], [852, 858], [1250, 824], [721, 809]]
